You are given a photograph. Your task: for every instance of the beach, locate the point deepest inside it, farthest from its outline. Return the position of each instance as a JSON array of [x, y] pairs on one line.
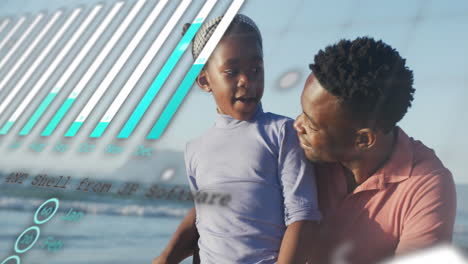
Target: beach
[[119, 232]]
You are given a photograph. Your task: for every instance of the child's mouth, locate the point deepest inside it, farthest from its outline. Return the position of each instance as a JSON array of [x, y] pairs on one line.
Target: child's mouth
[[246, 100]]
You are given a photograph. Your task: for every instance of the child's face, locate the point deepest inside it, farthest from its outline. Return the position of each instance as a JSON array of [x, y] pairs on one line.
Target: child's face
[[234, 74]]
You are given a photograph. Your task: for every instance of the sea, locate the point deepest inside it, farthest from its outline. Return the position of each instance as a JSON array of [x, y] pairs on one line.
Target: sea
[[114, 231]]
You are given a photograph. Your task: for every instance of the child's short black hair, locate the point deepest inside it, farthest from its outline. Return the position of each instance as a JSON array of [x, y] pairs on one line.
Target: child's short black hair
[[369, 77]]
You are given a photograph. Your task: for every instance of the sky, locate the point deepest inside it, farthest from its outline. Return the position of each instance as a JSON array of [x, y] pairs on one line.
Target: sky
[[431, 35]]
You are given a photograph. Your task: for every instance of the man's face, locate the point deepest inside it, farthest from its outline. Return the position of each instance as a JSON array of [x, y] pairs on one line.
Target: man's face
[[235, 75], [325, 134]]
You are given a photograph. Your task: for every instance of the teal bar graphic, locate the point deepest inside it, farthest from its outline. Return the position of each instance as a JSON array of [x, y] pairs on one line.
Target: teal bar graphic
[[73, 129], [37, 115], [159, 81], [175, 102], [6, 127], [58, 117], [99, 130]]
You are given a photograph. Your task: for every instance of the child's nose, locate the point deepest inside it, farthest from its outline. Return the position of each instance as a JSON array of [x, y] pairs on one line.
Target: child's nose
[[243, 80]]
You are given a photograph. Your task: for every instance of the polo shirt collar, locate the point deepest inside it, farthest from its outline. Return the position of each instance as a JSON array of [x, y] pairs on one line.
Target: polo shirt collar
[[396, 169]]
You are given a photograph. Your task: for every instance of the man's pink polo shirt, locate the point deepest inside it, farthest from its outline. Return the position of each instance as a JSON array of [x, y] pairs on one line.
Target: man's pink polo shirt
[[408, 204]]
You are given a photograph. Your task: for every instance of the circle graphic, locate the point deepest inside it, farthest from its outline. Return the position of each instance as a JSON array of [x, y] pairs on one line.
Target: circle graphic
[[11, 260], [27, 239], [47, 212], [289, 79], [168, 174]]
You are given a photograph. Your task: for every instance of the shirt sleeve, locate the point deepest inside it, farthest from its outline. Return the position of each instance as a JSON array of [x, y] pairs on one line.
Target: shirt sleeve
[[297, 178], [431, 216]]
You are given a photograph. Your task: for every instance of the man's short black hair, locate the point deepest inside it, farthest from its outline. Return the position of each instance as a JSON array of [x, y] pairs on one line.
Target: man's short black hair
[[369, 77]]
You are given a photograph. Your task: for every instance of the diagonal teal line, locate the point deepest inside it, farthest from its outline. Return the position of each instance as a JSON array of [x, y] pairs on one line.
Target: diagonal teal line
[[37, 114], [58, 117], [159, 81]]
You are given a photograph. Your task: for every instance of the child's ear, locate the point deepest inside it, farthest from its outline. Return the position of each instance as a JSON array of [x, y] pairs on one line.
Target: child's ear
[[203, 81]]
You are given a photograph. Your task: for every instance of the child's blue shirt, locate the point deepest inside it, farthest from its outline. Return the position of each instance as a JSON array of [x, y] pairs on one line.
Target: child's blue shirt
[[251, 181]]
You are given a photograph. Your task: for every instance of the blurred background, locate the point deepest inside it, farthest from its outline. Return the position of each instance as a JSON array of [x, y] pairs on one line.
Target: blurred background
[[119, 228]]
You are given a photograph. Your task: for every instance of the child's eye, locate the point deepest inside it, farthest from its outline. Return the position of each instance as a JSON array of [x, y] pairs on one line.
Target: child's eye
[[257, 69], [230, 72]]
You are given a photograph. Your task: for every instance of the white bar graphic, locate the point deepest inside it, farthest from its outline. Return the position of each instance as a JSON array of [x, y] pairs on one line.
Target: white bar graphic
[[4, 24], [39, 59], [219, 32], [12, 31], [53, 66], [28, 51], [108, 48], [126, 54], [21, 39], [87, 47], [144, 63]]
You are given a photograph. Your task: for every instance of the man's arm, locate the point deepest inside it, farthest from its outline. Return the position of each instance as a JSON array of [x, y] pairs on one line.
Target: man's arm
[[299, 242], [431, 216], [182, 244]]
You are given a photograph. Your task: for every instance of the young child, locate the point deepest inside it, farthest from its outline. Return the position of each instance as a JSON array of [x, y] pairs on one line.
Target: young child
[[252, 156]]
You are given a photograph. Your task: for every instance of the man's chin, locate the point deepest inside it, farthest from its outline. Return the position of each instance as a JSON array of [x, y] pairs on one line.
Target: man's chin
[[315, 160], [320, 161], [312, 158]]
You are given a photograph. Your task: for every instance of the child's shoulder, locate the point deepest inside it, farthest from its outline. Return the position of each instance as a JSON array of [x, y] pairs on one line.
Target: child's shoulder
[[197, 141], [277, 122], [200, 140], [273, 118], [270, 125], [275, 128]]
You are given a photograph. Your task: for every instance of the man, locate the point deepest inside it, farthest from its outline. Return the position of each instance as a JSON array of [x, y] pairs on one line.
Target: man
[[381, 192]]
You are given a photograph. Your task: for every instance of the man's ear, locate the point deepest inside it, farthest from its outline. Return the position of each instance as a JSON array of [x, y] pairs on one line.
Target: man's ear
[[203, 81], [365, 139]]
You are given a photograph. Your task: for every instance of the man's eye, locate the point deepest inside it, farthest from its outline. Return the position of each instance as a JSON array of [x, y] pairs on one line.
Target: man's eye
[[311, 127]]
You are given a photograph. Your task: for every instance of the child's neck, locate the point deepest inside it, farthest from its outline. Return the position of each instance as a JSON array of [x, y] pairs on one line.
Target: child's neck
[[243, 118]]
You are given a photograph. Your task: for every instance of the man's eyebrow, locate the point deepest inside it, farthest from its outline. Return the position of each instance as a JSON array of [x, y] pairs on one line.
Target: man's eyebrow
[[310, 118]]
